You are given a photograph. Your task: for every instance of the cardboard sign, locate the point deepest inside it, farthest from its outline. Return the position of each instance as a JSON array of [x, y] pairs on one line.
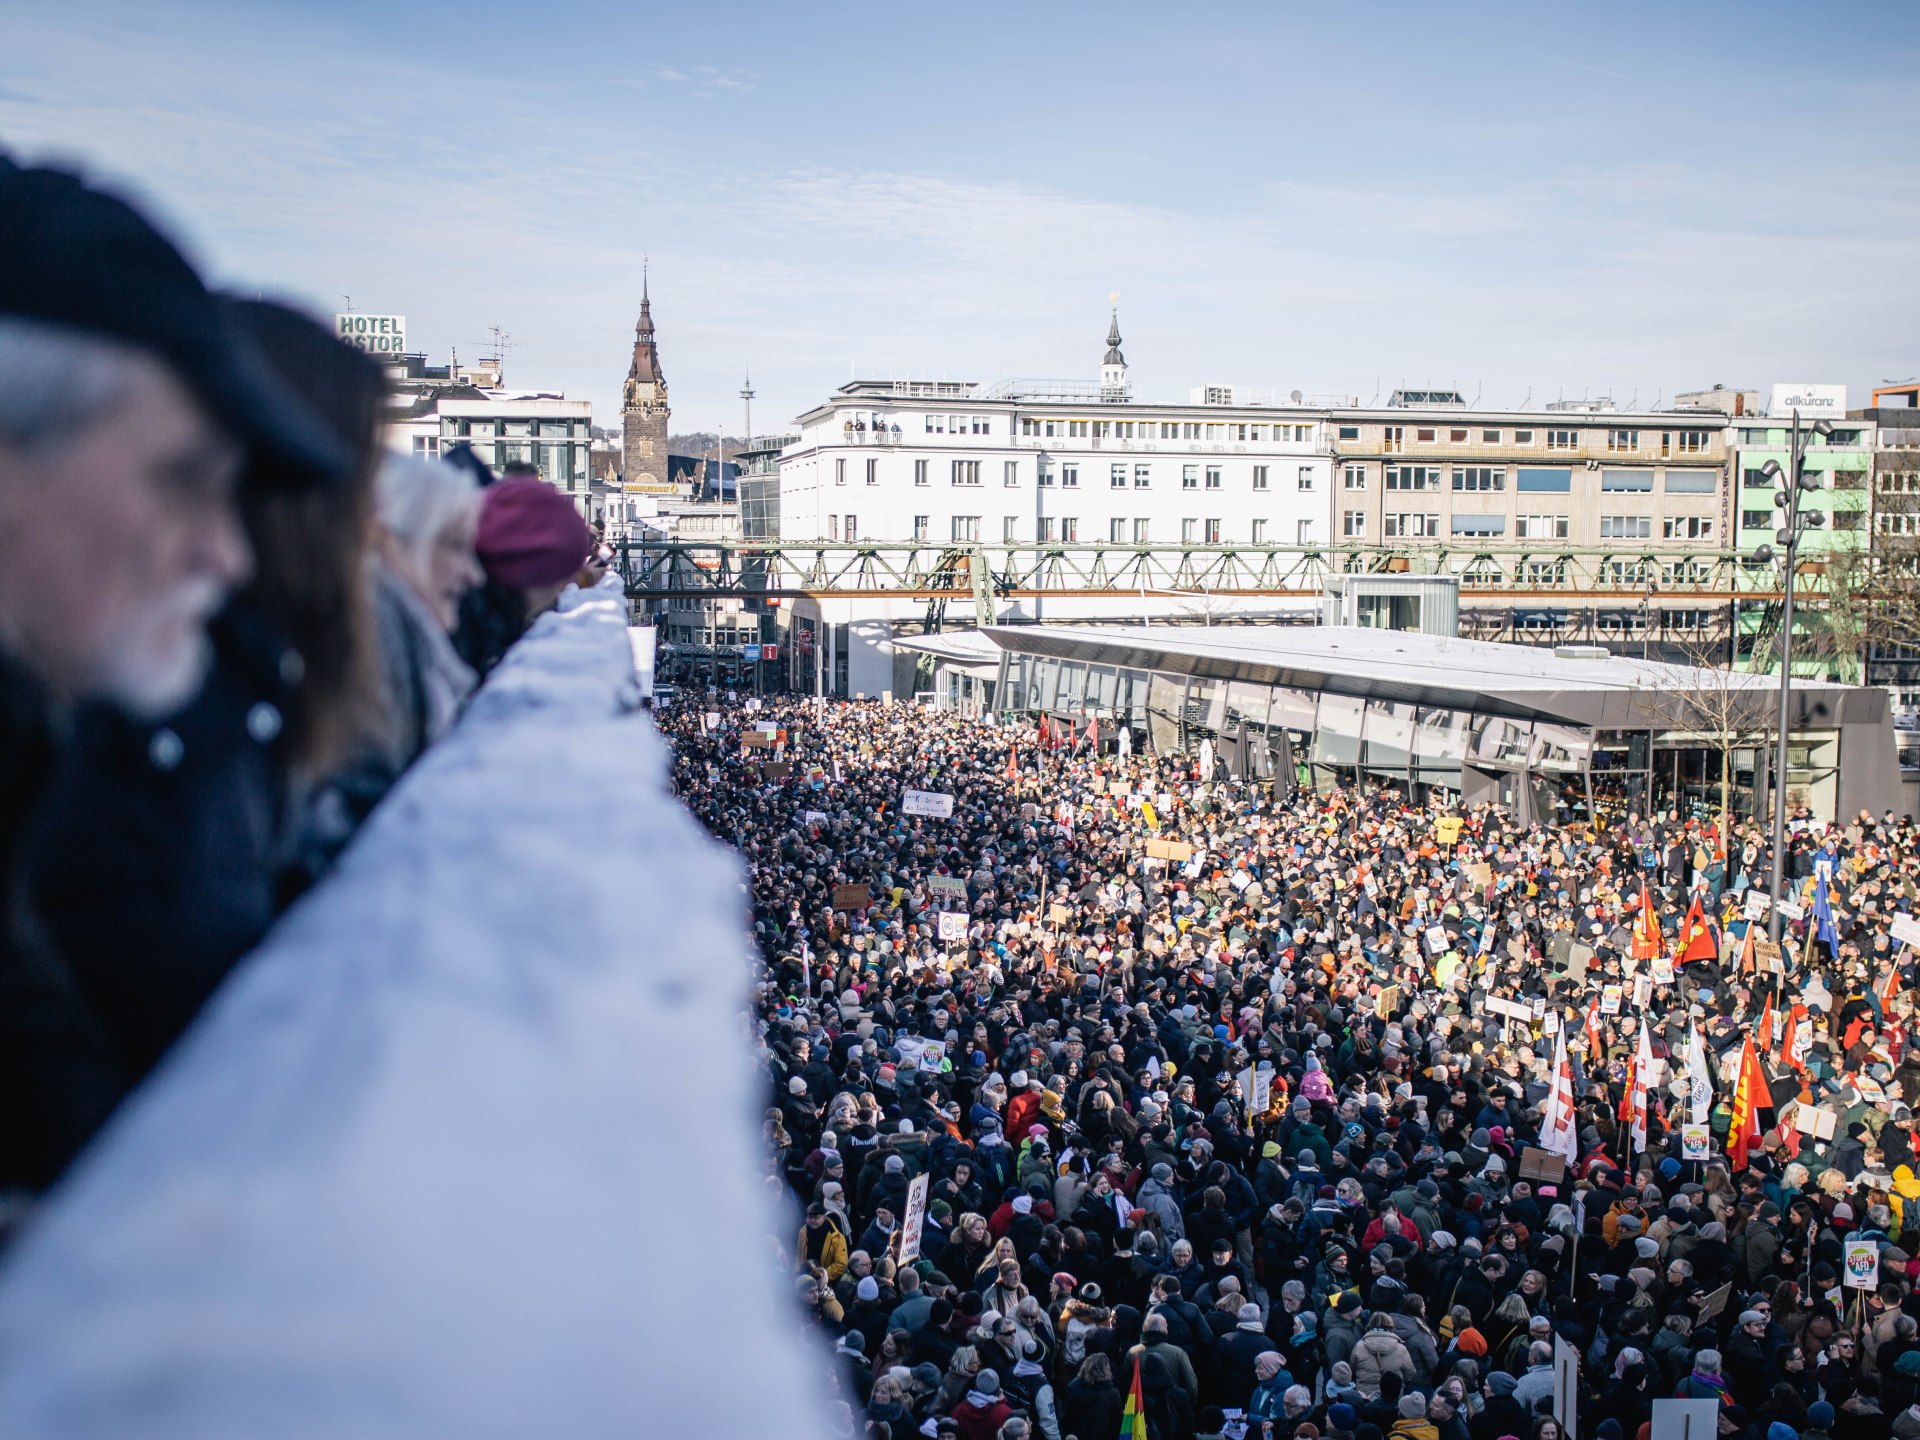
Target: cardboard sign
[[1685, 1420], [1387, 1001], [778, 770], [1542, 1165], [1176, 850], [1694, 1142], [852, 897], [1480, 876], [948, 885], [1863, 1264], [914, 1221], [953, 925], [1813, 1121], [756, 740], [1714, 1303], [935, 804], [1906, 929], [1059, 916], [1766, 955]]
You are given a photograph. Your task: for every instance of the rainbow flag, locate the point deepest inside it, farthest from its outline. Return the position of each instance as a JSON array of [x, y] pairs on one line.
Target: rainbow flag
[[1133, 1418]]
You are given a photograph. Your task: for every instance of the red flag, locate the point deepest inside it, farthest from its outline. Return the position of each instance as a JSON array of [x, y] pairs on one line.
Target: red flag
[[1646, 929], [1747, 962], [1637, 1093], [1093, 737], [1889, 989], [1013, 761], [1765, 1040], [1594, 1047], [1697, 940], [1749, 1093], [1625, 1113], [1796, 1039], [1045, 734]]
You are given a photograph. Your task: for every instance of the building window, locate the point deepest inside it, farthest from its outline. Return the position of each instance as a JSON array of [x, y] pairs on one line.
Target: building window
[[966, 529], [840, 472], [1489, 437], [1626, 527], [1457, 437], [1523, 437], [1070, 529], [1623, 441], [1691, 442], [1756, 519], [1413, 477], [1306, 477], [1409, 527], [1303, 532], [1479, 477], [920, 527], [1010, 473], [966, 472], [1686, 527], [1042, 475], [1117, 477], [833, 527], [1213, 477], [1142, 476], [936, 425], [1425, 437], [1116, 531], [1188, 529], [1139, 532], [853, 528], [1692, 482], [1555, 481], [1635, 481], [920, 472], [1479, 524], [1213, 532], [1259, 477], [873, 472], [1349, 432], [1353, 477], [1010, 530], [1540, 527], [1259, 532], [1353, 524], [1563, 439], [1393, 439], [1045, 535], [1189, 477], [1069, 477]]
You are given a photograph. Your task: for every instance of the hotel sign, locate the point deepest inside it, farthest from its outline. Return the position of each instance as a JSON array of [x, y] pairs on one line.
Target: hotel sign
[[376, 334]]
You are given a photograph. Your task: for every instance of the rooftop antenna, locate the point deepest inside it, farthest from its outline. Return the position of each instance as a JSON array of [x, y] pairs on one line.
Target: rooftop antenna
[[349, 300], [746, 395], [1529, 400], [1478, 392], [1376, 393], [1635, 400]]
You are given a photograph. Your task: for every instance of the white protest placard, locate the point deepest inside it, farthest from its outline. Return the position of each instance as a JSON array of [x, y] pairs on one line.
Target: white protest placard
[[1863, 1264], [936, 804], [711, 719], [1793, 910], [1609, 999], [932, 1055], [1512, 1009], [1906, 929], [1757, 902], [1663, 969], [953, 925], [1256, 1088], [1685, 1420], [1694, 1143], [912, 1222], [948, 885], [1566, 1383], [813, 817], [1436, 938], [1642, 991]]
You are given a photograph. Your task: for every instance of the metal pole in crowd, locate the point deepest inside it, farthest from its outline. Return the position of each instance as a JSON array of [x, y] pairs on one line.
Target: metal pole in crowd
[[1789, 540]]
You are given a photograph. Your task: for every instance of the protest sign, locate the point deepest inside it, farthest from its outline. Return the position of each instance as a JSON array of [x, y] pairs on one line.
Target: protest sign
[[756, 739], [1542, 1165], [1059, 915], [1511, 1009], [1766, 955], [1566, 1383], [1713, 1303], [1815, 1122], [1863, 1264], [1176, 850], [1663, 969], [1756, 903], [1256, 1088], [1685, 1420], [852, 897], [778, 770], [953, 925], [1642, 991], [1793, 910], [1694, 1143], [948, 885], [935, 804], [914, 1220], [1906, 929], [1609, 999]]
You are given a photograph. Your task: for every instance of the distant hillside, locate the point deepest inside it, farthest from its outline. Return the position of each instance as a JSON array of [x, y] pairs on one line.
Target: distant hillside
[[700, 442]]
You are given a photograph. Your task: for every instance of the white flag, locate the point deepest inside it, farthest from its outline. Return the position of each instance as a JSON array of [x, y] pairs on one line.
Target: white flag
[[1206, 759], [1126, 742], [1560, 1130], [1700, 1087], [1642, 1067]]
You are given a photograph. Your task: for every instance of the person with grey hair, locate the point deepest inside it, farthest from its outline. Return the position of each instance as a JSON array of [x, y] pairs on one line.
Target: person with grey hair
[[132, 410]]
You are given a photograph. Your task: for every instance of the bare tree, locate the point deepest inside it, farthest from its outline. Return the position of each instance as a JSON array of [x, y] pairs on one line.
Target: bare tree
[[1732, 708]]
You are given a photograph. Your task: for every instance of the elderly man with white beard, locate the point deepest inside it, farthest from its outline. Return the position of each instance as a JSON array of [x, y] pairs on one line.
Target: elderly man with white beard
[[130, 408]]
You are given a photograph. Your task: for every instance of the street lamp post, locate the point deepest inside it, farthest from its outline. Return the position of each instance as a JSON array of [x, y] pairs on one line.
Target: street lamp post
[[1794, 483]]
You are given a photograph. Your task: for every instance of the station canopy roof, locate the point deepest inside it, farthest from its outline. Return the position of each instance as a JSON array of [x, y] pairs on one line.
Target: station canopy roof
[[1518, 681]]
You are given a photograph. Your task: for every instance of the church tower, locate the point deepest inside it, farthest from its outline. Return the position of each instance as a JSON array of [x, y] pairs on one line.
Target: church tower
[[643, 406], [1114, 388]]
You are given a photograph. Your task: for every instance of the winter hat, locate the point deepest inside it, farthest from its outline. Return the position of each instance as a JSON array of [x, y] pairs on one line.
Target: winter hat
[[1266, 1365], [1413, 1406], [987, 1383], [1342, 1416], [530, 535], [895, 1165], [1780, 1430], [867, 1289], [1471, 1342], [1023, 1204], [1819, 1415]]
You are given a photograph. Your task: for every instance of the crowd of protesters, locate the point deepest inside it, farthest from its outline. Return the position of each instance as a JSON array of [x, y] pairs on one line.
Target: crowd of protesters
[[229, 621], [1269, 1134]]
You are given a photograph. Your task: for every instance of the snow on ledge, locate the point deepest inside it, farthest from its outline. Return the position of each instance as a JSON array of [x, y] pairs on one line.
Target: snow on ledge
[[467, 1148]]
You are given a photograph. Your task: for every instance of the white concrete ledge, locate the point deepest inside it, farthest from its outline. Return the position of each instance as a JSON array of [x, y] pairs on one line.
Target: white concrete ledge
[[467, 1148]]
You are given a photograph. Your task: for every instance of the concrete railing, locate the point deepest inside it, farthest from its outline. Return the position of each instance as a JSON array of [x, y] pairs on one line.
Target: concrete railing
[[467, 1148]]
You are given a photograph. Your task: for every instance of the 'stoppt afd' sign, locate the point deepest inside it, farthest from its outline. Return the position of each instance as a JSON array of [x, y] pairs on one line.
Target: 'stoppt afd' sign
[[376, 334]]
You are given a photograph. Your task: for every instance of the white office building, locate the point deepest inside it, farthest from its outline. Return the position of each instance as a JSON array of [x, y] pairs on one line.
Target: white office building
[[1037, 462]]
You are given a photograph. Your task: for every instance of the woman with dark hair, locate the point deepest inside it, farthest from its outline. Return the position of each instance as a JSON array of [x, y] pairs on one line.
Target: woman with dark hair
[[1091, 1404], [162, 859]]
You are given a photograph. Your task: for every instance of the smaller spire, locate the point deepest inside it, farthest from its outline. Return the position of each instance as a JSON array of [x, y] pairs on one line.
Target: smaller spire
[[645, 328], [1114, 357]]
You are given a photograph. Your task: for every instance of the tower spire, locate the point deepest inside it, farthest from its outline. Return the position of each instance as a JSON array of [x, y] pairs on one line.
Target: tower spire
[[1113, 370], [644, 330]]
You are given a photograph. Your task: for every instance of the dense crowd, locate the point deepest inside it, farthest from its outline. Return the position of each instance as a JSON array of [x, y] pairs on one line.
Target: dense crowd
[[1335, 1117], [228, 622]]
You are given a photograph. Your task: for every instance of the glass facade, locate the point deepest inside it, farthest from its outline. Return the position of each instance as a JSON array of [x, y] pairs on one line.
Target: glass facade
[[1546, 771]]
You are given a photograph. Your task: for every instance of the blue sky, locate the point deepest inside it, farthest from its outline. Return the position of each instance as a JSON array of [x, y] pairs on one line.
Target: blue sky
[[1542, 199]]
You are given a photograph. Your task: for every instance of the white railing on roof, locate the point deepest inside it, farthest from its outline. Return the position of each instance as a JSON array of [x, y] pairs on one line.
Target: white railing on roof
[[467, 1148]]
